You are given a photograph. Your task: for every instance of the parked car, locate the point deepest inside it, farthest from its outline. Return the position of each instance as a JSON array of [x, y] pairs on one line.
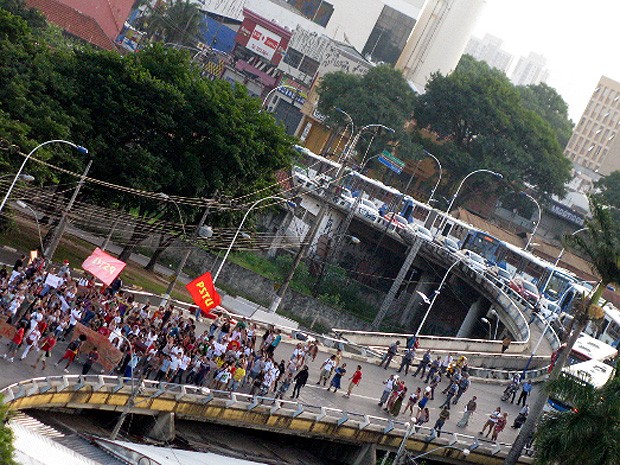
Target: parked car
[[475, 261], [369, 212], [499, 273], [525, 289], [449, 243], [421, 231], [395, 221]]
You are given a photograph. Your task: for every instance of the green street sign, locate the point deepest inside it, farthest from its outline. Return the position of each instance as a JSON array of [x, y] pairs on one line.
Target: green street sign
[[393, 159]]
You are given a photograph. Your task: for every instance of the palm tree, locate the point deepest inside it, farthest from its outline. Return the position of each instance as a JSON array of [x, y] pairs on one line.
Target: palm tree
[[601, 244], [177, 23], [587, 434]]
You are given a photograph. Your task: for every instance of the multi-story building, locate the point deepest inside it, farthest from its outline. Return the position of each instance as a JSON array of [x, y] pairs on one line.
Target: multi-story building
[[438, 39], [379, 29], [593, 146], [530, 70], [489, 49]]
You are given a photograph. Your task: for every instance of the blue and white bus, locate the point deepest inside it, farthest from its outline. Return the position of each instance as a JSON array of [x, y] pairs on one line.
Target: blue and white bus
[[551, 281]]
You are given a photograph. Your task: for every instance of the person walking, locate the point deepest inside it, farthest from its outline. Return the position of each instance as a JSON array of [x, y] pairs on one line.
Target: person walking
[[506, 343], [337, 378], [326, 369], [450, 392], [423, 365], [300, 379], [444, 416], [72, 350], [492, 421], [414, 398], [499, 426], [389, 355], [526, 389], [91, 358], [16, 341], [464, 384], [387, 390], [45, 350], [470, 408], [433, 368], [422, 417], [405, 363], [354, 381]]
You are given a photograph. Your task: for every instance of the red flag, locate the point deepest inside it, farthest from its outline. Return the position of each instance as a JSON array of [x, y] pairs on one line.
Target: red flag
[[103, 266], [203, 292]]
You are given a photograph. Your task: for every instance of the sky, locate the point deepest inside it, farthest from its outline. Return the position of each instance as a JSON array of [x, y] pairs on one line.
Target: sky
[[579, 39]]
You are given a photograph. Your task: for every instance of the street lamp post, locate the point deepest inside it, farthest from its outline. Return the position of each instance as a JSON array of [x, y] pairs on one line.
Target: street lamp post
[[234, 239], [486, 321], [275, 89], [22, 204], [456, 193], [529, 241], [557, 260], [200, 231], [352, 130], [79, 148], [431, 197], [432, 302], [275, 303], [132, 397], [535, 349], [62, 224]]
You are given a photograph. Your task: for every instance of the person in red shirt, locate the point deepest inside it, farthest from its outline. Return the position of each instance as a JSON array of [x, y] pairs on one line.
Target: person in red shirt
[[15, 342], [355, 380], [45, 350]]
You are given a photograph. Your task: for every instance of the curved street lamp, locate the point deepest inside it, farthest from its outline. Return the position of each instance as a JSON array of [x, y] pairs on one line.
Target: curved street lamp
[[352, 130], [434, 299], [431, 197], [22, 204], [529, 241], [238, 232], [275, 89], [79, 148], [200, 231]]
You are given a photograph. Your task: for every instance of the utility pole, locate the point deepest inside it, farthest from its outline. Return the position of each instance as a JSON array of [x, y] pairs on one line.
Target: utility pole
[[185, 257], [277, 300], [62, 224]]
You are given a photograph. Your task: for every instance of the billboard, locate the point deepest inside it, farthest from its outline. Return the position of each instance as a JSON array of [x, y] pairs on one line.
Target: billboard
[[263, 42]]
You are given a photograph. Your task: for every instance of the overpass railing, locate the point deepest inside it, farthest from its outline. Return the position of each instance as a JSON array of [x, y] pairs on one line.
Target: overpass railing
[[266, 405]]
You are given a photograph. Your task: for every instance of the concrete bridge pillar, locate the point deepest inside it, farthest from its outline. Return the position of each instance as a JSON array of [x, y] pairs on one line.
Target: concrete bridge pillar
[[279, 235], [163, 429], [425, 285], [477, 310], [398, 282], [367, 455]]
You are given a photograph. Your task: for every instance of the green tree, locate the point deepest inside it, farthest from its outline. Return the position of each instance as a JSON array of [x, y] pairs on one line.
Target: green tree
[[482, 113], [6, 437], [609, 187], [601, 245], [549, 105], [149, 119], [588, 433], [176, 23]]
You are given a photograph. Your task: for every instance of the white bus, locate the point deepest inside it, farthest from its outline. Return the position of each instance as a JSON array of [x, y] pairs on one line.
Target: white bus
[[592, 372], [608, 330], [587, 348]]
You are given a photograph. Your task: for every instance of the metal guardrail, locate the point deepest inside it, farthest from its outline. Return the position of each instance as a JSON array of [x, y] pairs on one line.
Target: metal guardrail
[[235, 400]]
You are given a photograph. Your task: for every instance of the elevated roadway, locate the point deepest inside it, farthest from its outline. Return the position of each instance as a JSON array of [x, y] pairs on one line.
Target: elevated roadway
[[169, 401]]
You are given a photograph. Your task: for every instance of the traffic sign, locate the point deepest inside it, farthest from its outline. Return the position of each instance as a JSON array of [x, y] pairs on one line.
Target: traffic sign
[[390, 164]]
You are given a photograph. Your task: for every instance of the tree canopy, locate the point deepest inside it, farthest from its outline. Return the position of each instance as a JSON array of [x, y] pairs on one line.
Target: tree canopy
[[149, 119], [478, 110]]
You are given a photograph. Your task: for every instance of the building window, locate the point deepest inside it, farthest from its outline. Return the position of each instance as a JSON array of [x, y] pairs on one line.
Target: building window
[[293, 57], [317, 11], [389, 36], [309, 66]]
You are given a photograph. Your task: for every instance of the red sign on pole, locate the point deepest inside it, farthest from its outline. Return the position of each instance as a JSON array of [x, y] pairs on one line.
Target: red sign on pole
[[103, 266], [203, 292]]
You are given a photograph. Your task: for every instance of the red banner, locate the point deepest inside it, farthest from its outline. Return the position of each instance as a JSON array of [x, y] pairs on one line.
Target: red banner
[[203, 292], [103, 266]]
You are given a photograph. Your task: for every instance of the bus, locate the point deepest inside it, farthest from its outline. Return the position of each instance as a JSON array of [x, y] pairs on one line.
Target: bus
[[592, 372], [551, 281], [608, 330], [587, 348]]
